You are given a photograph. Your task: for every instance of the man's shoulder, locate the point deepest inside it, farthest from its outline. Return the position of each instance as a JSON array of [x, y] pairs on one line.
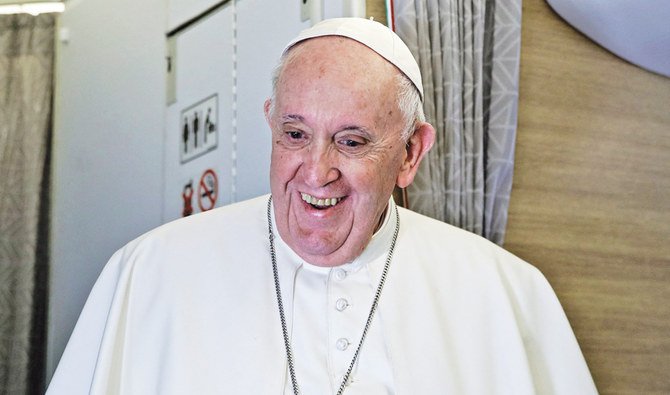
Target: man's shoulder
[[223, 217], [217, 227], [432, 230], [457, 247]]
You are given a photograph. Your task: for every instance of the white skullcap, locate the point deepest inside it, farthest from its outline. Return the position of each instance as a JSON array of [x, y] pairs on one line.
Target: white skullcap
[[372, 34]]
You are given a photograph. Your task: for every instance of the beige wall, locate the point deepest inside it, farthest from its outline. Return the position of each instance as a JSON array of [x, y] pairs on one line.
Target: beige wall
[[591, 198]]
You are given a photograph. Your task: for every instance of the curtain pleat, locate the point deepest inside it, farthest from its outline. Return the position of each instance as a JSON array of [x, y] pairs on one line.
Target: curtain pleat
[[26, 72], [468, 53]]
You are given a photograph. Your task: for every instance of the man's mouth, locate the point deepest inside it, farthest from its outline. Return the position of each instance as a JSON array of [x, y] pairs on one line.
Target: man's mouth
[[320, 203]]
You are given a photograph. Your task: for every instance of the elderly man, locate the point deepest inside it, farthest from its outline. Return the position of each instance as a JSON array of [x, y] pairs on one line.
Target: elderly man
[[326, 286]]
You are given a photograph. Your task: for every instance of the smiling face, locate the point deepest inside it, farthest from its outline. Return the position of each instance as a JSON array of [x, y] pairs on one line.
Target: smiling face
[[337, 151]]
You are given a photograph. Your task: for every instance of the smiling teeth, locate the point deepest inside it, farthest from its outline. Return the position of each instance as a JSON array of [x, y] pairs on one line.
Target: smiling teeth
[[320, 202]]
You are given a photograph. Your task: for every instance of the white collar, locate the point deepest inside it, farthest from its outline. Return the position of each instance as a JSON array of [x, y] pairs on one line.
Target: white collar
[[376, 248]]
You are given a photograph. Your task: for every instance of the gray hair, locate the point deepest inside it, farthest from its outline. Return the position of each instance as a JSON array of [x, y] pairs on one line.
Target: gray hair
[[411, 107], [408, 98]]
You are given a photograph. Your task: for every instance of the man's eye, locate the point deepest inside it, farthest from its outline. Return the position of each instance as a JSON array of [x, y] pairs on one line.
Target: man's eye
[[351, 143], [294, 134]]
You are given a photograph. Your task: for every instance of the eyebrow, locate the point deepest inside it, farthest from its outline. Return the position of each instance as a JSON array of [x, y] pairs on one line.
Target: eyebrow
[[292, 117], [365, 131], [353, 127]]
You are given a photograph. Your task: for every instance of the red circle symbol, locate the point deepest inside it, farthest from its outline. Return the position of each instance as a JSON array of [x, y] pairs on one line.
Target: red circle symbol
[[208, 190]]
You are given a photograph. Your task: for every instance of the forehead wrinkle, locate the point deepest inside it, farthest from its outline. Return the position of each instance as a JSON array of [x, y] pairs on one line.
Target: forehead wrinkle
[[342, 60], [350, 53]]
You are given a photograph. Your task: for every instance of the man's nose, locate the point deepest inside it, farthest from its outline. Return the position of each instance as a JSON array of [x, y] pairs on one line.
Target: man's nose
[[320, 167]]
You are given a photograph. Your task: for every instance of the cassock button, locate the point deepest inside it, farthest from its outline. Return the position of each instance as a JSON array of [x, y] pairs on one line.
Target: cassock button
[[341, 304], [342, 344], [349, 380], [340, 274]]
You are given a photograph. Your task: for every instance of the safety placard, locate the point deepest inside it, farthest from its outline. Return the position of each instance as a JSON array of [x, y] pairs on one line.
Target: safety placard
[[208, 190], [187, 195], [198, 126]]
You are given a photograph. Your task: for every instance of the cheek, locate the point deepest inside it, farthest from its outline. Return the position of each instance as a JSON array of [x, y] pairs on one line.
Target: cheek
[[283, 163], [276, 162], [382, 178], [372, 180]]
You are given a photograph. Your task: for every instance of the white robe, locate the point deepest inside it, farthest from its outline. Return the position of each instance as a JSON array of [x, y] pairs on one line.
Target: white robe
[[190, 308]]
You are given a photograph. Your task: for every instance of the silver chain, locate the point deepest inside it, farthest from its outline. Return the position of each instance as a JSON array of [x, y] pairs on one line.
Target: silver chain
[[280, 304]]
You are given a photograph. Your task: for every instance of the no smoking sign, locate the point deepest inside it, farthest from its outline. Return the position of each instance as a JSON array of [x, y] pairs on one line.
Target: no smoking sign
[[208, 190]]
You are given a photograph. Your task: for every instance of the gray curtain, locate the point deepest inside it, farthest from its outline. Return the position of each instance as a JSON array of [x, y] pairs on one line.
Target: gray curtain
[[26, 64], [468, 52]]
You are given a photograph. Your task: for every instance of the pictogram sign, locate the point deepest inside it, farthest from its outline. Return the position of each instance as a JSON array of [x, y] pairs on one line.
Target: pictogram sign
[[208, 190], [198, 129]]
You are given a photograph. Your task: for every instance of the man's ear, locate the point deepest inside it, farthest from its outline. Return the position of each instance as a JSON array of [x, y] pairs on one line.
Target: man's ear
[[266, 111], [418, 145]]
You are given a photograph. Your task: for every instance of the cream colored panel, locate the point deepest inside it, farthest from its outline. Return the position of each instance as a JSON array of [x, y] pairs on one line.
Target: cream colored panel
[[591, 198]]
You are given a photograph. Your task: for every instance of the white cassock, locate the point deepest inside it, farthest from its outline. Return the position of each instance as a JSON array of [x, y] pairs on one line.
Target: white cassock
[[190, 308]]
